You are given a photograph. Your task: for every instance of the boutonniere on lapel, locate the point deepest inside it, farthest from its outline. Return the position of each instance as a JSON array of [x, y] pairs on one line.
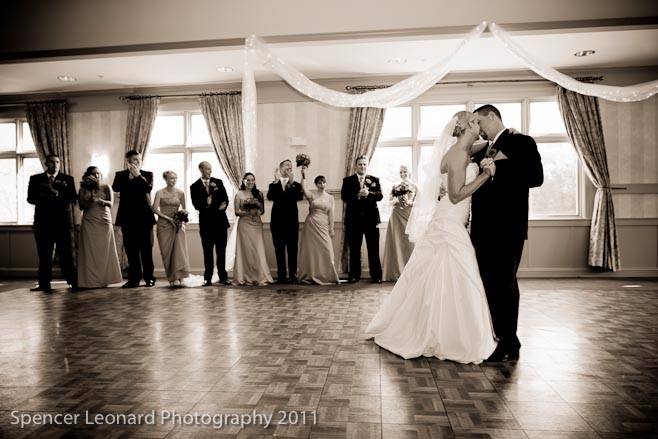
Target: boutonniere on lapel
[[370, 183], [213, 186]]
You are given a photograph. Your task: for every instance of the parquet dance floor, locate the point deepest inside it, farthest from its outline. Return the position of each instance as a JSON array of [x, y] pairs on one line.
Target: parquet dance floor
[[588, 367]]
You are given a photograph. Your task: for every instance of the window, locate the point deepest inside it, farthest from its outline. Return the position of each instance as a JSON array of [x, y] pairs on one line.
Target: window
[[179, 142], [559, 196], [18, 161], [387, 162], [408, 133]]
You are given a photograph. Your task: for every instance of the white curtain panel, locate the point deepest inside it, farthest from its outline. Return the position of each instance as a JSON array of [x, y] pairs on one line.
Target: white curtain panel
[[258, 56]]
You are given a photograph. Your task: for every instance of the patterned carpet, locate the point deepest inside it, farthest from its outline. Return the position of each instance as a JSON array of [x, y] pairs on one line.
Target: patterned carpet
[[229, 357]]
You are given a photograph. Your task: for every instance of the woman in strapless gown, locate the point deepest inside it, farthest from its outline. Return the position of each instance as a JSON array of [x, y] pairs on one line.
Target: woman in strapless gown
[[397, 247], [98, 262], [438, 306], [316, 250], [251, 267], [172, 241]]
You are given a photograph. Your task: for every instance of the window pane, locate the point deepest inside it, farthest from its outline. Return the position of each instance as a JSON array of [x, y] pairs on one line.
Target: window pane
[[510, 112], [158, 163], [8, 137], [31, 166], [425, 155], [433, 118], [200, 135], [217, 172], [168, 130], [559, 193], [545, 118], [28, 141], [385, 165], [397, 123], [9, 212]]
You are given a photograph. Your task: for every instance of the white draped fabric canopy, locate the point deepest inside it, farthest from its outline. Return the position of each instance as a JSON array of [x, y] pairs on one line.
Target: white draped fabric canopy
[[258, 56]]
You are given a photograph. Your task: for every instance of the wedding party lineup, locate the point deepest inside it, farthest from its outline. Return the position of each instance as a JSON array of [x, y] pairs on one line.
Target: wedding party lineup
[[328, 220]]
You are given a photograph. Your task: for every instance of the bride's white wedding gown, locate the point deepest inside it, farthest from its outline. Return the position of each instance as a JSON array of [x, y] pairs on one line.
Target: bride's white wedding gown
[[438, 307]]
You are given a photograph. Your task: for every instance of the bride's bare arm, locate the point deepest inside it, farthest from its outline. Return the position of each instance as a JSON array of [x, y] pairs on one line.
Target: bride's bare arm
[[458, 190]]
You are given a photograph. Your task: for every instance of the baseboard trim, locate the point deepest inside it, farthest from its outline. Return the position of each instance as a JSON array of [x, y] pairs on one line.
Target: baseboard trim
[[537, 273]]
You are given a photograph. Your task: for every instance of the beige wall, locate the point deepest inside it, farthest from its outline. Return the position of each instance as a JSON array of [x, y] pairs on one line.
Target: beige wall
[[631, 132]]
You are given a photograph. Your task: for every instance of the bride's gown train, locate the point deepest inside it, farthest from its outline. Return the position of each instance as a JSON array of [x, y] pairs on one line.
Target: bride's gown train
[[438, 307]]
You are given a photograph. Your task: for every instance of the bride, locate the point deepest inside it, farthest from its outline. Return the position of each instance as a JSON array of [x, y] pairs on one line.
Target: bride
[[438, 306]]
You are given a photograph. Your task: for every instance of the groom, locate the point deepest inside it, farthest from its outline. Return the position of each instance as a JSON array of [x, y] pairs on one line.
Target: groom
[[499, 222], [285, 192], [361, 192], [209, 197]]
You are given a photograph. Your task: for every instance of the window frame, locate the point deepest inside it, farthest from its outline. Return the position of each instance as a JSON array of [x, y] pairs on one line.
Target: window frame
[[187, 149], [417, 142], [19, 155]]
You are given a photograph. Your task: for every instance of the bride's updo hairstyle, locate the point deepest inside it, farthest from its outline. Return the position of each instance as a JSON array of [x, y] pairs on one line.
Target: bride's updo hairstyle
[[463, 117]]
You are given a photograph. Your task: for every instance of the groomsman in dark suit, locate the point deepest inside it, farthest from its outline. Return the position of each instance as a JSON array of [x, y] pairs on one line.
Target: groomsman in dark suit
[[499, 222], [209, 197], [285, 193], [361, 192], [136, 219], [53, 195]]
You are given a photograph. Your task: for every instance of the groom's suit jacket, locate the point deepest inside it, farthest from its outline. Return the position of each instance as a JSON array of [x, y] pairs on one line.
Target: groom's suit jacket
[[361, 211], [53, 201], [134, 199], [499, 209], [209, 213], [284, 207]]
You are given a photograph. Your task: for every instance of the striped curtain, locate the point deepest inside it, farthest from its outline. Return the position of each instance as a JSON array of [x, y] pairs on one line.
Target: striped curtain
[[583, 122]]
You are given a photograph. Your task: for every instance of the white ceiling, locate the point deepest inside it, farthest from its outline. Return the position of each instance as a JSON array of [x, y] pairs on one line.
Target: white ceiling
[[343, 59]]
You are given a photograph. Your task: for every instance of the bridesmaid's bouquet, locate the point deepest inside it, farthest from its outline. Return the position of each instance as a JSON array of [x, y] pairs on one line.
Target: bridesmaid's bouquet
[[302, 160], [181, 217], [402, 191], [251, 204]]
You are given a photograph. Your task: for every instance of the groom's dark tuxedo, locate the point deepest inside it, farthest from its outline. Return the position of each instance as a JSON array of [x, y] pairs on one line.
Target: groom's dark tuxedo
[[499, 227], [285, 225], [53, 199], [136, 220], [213, 223], [362, 218]]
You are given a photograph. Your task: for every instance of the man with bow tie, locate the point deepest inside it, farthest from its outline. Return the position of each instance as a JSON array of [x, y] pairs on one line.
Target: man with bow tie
[[53, 195], [499, 222], [285, 192], [209, 197], [361, 192]]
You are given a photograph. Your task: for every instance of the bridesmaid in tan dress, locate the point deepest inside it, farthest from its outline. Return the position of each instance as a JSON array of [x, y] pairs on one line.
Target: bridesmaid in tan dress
[[98, 262], [172, 242], [397, 248], [251, 266], [316, 252]]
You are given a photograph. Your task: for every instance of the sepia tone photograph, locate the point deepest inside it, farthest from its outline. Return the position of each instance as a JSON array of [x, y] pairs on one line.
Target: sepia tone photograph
[[366, 219]]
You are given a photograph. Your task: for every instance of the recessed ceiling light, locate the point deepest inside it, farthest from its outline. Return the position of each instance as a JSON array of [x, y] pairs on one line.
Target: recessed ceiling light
[[225, 69], [397, 61], [67, 78], [584, 53]]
